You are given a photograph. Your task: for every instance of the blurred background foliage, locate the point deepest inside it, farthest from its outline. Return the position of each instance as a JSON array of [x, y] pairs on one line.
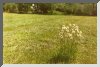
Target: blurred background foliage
[[89, 9]]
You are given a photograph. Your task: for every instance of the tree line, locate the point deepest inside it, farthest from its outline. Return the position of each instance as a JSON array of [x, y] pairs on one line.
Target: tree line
[[89, 9]]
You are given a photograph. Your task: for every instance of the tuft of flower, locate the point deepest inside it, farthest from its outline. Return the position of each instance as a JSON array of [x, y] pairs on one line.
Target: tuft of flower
[[71, 31], [71, 38]]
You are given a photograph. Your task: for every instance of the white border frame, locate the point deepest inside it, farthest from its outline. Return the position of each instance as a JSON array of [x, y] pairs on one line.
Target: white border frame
[[69, 65]]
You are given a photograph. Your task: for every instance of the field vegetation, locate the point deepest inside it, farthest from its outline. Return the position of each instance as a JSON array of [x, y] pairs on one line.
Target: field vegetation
[[35, 39]]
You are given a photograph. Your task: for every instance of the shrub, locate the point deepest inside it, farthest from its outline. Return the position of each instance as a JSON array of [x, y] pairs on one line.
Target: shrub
[[57, 12]]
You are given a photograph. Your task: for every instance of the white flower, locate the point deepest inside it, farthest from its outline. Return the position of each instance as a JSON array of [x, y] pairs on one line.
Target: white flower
[[73, 24], [77, 30], [80, 35], [73, 31], [67, 30], [70, 35], [61, 36], [67, 27], [77, 27], [80, 32], [31, 7], [70, 31], [32, 4], [63, 27]]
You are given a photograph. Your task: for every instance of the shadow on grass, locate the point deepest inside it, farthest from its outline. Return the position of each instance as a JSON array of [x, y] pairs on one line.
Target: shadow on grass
[[64, 56], [59, 59]]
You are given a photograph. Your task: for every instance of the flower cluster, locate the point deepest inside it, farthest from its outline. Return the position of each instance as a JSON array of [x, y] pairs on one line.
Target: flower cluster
[[71, 32]]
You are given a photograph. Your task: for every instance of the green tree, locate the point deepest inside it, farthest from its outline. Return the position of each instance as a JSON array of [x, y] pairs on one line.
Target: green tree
[[43, 8], [10, 7]]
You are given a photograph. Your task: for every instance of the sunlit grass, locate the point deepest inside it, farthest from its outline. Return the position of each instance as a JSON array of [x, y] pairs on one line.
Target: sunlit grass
[[31, 38]]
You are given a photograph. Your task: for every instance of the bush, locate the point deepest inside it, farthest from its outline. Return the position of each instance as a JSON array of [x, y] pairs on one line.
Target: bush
[[10, 7], [57, 12]]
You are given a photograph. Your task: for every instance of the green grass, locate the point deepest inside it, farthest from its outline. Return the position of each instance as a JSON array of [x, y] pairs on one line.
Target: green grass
[[31, 38]]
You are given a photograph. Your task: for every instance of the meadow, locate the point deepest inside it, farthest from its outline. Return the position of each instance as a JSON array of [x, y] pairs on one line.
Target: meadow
[[34, 39]]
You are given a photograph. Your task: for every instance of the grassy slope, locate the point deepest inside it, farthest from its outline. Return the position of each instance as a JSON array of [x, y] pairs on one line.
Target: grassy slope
[[33, 38]]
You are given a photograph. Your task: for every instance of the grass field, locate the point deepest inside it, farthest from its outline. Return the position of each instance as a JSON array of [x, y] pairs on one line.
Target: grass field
[[33, 39]]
